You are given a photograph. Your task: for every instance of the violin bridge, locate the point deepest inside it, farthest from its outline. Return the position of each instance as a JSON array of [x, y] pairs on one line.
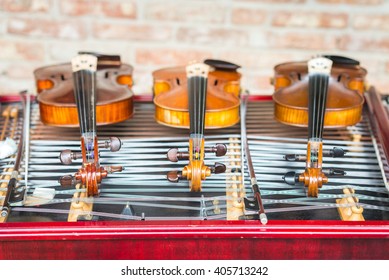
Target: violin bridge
[[81, 205], [234, 191], [348, 206]]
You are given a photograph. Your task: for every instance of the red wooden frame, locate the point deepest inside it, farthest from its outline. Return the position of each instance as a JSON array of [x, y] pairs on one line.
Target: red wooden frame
[[196, 239]]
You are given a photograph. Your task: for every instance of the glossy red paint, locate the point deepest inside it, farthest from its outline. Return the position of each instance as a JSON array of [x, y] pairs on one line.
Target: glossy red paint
[[196, 240]]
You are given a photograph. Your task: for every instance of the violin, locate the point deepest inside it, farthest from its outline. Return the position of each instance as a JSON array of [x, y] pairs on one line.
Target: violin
[[326, 92], [198, 96], [222, 102], [90, 175], [114, 98]]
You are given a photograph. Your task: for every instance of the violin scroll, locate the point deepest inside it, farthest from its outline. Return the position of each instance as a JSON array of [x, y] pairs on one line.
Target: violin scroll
[[90, 176]]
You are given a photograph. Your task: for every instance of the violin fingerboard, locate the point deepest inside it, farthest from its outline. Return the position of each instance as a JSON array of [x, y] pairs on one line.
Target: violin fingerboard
[[317, 90], [197, 93], [85, 95]]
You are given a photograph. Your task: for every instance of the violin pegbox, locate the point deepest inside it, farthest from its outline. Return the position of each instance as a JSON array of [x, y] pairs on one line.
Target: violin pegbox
[[91, 173], [196, 171]]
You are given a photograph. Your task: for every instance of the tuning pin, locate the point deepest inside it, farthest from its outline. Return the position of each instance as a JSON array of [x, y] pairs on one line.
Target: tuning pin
[[114, 144], [174, 176], [291, 178], [67, 181], [174, 155], [113, 169], [67, 156], [334, 172], [218, 168], [219, 150]]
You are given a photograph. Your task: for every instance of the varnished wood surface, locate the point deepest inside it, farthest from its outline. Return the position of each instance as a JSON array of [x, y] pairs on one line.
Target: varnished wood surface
[[171, 98]]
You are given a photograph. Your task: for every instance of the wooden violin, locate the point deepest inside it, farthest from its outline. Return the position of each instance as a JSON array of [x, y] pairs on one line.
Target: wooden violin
[[325, 92], [114, 98], [196, 98], [90, 175], [171, 96]]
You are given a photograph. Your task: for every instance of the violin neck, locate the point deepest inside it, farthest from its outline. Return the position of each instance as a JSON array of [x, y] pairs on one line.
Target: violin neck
[[197, 75], [84, 79]]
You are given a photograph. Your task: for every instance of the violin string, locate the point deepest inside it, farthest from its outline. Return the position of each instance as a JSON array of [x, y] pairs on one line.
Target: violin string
[[323, 93], [151, 201], [204, 102], [312, 90], [193, 80], [84, 83], [321, 106]]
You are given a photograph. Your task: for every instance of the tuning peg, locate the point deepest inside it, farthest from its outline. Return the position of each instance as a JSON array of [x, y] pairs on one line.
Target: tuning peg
[[113, 169], [174, 176], [333, 172], [218, 168], [219, 150], [291, 178], [293, 157], [67, 156], [67, 181], [174, 155], [114, 144], [335, 152]]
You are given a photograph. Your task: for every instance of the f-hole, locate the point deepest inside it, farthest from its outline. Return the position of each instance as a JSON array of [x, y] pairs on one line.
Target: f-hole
[[216, 82], [178, 81]]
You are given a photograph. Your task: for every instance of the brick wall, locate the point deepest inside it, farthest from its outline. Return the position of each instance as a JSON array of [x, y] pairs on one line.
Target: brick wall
[[151, 34]]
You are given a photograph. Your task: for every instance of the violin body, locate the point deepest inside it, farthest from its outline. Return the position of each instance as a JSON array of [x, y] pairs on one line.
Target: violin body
[[344, 98], [57, 102], [171, 98]]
